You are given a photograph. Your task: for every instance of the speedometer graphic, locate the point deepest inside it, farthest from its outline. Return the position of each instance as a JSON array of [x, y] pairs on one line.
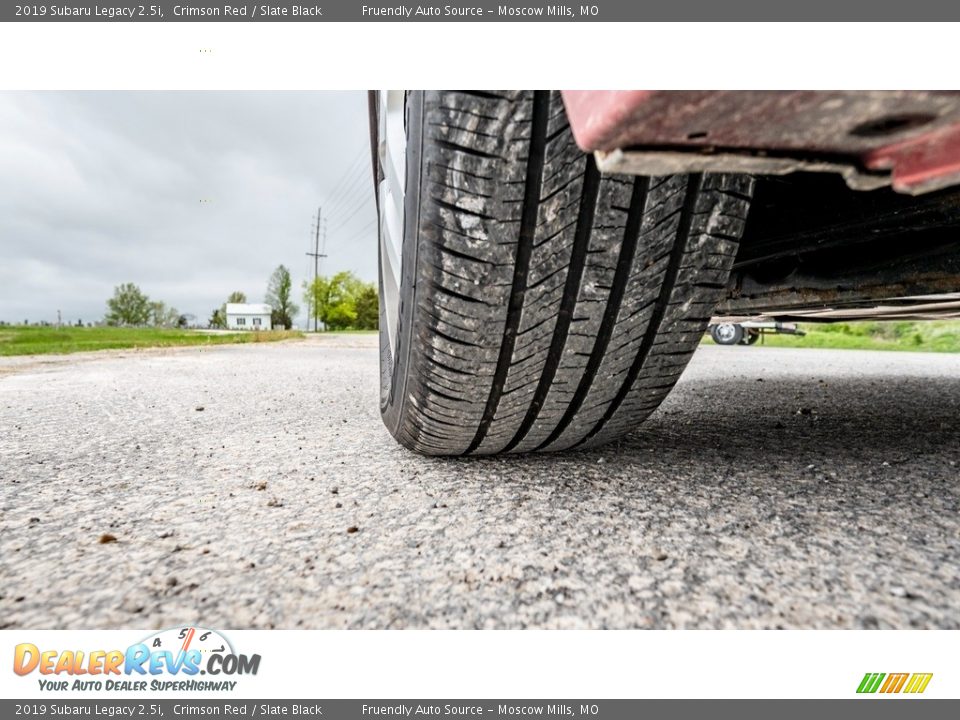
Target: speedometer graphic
[[183, 639]]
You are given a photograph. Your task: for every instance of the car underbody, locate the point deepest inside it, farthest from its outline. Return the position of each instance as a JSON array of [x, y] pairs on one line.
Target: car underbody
[[856, 208], [814, 249]]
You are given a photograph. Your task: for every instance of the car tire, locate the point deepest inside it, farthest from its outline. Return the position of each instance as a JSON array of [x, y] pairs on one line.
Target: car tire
[[541, 305]]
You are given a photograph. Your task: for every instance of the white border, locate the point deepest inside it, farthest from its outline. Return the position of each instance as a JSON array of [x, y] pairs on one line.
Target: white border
[[540, 664], [335, 56], [305, 56]]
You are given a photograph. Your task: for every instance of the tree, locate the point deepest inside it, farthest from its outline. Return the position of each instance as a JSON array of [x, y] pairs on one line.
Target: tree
[[128, 306], [237, 296], [163, 316], [278, 298], [218, 319], [333, 300], [158, 311], [368, 308], [340, 316]]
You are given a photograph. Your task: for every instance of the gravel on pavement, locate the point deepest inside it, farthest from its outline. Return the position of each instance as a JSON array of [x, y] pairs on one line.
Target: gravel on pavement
[[254, 486]]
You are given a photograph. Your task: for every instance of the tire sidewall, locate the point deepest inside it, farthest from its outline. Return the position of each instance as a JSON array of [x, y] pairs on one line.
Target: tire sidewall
[[395, 361]]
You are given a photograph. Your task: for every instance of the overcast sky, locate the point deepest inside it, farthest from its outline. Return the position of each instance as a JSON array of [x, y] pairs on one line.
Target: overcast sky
[[188, 195]]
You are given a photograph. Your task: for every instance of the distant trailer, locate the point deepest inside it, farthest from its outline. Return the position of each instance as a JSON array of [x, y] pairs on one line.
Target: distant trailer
[[248, 316], [747, 332]]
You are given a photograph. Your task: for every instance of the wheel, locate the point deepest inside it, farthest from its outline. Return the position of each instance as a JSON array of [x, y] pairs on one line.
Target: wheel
[[727, 333], [527, 301]]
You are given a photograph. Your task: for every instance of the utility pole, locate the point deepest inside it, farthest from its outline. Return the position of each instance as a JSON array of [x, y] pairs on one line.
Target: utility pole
[[316, 255]]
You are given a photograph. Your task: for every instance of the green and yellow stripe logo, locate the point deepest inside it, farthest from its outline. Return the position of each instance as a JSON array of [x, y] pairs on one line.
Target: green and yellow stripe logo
[[913, 683]]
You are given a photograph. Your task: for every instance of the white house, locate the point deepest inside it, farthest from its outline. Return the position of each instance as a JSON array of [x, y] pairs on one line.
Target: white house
[[248, 316]]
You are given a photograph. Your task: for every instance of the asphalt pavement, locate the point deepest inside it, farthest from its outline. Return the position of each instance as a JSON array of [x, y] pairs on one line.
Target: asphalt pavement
[[254, 486]]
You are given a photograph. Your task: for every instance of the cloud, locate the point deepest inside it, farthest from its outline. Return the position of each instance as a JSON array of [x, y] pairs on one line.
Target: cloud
[[191, 195]]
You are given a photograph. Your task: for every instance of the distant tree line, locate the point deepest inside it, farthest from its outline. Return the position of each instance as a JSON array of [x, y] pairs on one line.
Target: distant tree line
[[130, 306], [340, 302]]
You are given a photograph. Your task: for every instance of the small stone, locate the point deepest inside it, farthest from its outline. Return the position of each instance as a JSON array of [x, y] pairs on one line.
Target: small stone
[[261, 485], [559, 598], [661, 557], [805, 411], [637, 582], [352, 529], [107, 538], [274, 502], [199, 408], [898, 591]]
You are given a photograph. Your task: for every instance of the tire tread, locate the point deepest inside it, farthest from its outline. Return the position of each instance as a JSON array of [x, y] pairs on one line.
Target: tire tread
[[555, 307]]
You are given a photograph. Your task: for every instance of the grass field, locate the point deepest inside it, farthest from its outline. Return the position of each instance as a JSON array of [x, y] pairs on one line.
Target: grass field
[[22, 340], [928, 336]]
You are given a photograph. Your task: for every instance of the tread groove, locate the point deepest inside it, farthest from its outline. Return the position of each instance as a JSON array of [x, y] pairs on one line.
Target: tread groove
[[578, 257], [660, 308], [466, 150], [631, 236], [528, 223]]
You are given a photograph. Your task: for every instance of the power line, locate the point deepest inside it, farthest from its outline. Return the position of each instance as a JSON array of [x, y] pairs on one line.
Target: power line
[[349, 173], [362, 231], [350, 191], [358, 200], [357, 209], [350, 166]]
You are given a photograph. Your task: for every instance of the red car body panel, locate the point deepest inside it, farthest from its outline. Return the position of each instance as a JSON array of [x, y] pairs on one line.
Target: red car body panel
[[912, 135]]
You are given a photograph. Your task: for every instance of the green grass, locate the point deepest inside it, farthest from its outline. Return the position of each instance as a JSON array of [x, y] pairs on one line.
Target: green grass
[[926, 336], [23, 340]]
